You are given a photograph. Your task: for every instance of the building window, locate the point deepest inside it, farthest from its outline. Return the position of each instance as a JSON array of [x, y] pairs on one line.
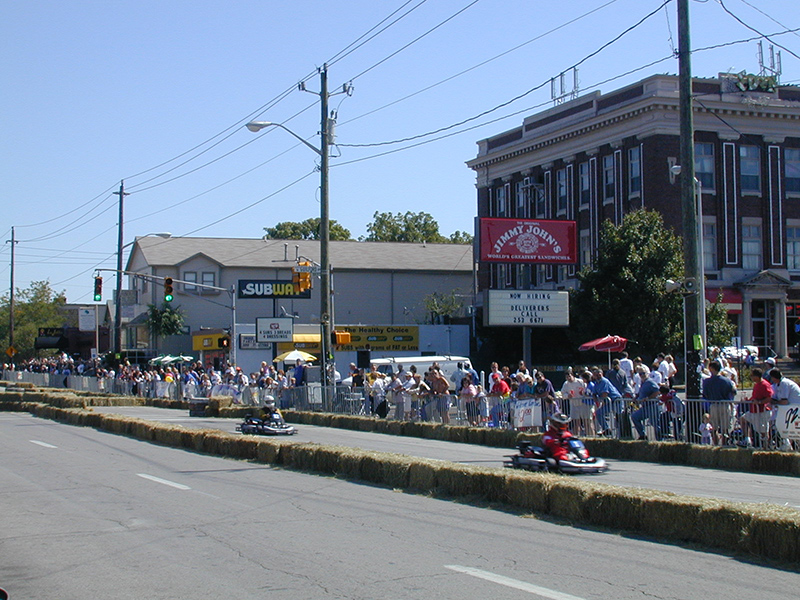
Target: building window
[[522, 198], [585, 248], [501, 202], [190, 276], [793, 248], [561, 191], [585, 184], [541, 202], [609, 183], [792, 169], [751, 247], [704, 165], [750, 168], [634, 170], [709, 246], [209, 278], [541, 274]]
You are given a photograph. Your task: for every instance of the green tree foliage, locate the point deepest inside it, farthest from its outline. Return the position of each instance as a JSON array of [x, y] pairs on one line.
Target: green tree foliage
[[624, 293], [719, 330], [307, 230], [37, 306], [410, 227], [164, 321], [441, 307]]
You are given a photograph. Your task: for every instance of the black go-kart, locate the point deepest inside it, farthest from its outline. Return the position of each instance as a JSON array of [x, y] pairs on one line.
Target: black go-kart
[[535, 458], [272, 424]]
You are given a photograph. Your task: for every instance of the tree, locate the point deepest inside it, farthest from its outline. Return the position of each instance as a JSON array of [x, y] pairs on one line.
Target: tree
[[461, 237], [37, 306], [307, 230], [408, 227], [164, 321], [624, 292], [442, 307]]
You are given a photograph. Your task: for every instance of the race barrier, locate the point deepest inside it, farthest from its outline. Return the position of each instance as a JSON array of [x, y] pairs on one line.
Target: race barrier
[[757, 529]]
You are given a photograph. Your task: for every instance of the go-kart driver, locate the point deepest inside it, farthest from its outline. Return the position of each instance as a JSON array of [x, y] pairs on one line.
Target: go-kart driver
[[556, 440]]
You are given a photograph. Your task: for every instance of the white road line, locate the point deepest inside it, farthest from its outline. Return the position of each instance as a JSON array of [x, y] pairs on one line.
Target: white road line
[[179, 486], [512, 583], [42, 444]]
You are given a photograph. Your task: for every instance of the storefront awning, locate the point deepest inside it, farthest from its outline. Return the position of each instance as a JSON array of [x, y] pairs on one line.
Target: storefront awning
[[731, 298], [306, 338]]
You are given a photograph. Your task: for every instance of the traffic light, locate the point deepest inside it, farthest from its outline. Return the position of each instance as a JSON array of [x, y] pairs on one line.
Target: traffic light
[[168, 289], [98, 289], [224, 342], [305, 277], [339, 338]]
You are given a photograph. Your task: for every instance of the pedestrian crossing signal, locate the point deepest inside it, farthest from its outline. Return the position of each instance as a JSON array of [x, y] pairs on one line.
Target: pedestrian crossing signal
[[98, 289], [168, 289]]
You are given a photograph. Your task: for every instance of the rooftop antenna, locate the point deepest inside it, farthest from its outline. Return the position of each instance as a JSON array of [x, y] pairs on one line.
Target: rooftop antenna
[[774, 69], [559, 92]]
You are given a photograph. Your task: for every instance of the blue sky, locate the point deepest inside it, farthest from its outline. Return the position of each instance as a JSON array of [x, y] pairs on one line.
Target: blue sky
[[96, 92]]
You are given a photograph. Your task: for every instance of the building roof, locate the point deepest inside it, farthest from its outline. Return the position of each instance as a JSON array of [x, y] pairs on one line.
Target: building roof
[[260, 253]]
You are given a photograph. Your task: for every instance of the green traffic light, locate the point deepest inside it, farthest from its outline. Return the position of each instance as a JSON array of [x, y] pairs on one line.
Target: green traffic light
[[168, 298], [97, 297]]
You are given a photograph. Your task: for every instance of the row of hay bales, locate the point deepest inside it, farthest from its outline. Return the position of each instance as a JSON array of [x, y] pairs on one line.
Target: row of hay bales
[[757, 529], [675, 453]]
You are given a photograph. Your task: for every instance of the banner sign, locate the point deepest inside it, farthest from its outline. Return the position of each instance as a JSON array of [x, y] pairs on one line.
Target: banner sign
[[383, 338], [787, 421], [538, 308], [269, 288], [86, 318], [528, 413], [528, 241], [276, 329]]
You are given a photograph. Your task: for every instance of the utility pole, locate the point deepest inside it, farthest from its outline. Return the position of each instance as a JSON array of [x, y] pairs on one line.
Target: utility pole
[[325, 317], [11, 300], [117, 297], [693, 270]]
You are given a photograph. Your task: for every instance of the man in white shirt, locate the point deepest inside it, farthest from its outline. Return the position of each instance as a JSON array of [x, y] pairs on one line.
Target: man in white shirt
[[626, 364], [784, 390]]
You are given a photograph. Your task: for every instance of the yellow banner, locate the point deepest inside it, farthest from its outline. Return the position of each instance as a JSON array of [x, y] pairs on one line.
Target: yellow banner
[[381, 337]]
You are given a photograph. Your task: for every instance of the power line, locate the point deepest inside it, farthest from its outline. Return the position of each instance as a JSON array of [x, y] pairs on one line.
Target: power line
[[769, 17], [514, 99], [481, 64], [753, 29]]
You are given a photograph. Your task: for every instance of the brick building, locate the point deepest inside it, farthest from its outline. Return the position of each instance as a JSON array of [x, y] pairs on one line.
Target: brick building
[[601, 156]]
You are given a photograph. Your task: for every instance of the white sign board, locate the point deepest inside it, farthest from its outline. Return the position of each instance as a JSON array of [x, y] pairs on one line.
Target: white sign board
[[528, 413], [274, 330], [247, 341], [86, 318], [787, 421], [536, 308]]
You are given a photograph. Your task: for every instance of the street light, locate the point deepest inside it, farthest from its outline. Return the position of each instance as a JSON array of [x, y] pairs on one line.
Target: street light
[[324, 226], [117, 298]]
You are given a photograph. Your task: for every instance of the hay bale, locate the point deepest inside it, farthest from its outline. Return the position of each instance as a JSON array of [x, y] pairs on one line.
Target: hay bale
[[7, 398], [476, 435], [267, 451], [423, 474], [529, 491], [396, 469], [327, 459], [300, 456], [735, 459], [702, 456], [775, 533], [667, 515], [776, 462], [169, 435], [456, 480], [674, 453], [613, 506], [723, 524], [396, 427], [350, 463], [568, 498]]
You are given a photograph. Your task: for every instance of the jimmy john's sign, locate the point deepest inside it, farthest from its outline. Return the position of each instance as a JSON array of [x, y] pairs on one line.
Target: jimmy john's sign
[[269, 288], [528, 241]]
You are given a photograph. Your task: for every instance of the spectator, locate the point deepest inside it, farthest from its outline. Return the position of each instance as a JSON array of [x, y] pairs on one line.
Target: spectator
[[719, 392], [468, 396], [648, 406], [544, 391], [755, 421], [608, 401]]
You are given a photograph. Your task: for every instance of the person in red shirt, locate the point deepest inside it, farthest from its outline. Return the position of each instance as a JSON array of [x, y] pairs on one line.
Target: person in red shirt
[[756, 419], [556, 440]]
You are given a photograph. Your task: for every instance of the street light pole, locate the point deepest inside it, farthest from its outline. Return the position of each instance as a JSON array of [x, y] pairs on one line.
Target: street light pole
[[325, 313], [117, 296]]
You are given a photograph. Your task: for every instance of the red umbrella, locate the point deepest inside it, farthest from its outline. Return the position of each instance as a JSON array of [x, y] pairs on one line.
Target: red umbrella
[[609, 343]]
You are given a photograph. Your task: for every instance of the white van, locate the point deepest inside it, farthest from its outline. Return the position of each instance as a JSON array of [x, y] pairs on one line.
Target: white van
[[448, 365]]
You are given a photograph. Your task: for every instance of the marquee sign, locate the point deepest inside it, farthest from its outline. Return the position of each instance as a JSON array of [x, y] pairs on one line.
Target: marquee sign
[[528, 241], [526, 308], [268, 288]]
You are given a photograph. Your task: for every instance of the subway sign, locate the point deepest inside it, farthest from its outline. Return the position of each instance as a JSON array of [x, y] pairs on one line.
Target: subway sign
[[269, 288]]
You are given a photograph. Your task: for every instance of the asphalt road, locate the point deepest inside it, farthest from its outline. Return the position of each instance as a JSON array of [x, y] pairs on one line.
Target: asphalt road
[[693, 481], [87, 514]]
